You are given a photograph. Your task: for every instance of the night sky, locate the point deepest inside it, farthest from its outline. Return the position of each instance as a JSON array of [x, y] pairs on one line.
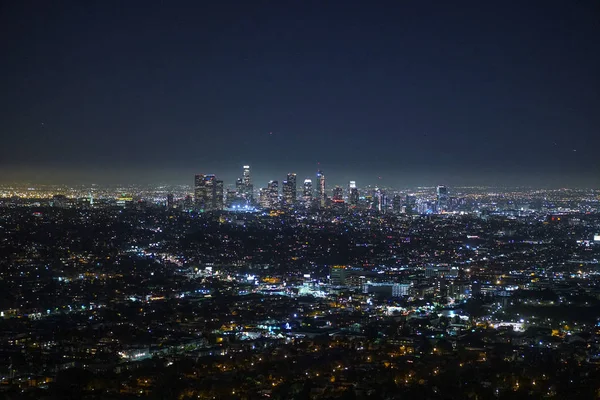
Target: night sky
[[391, 93]]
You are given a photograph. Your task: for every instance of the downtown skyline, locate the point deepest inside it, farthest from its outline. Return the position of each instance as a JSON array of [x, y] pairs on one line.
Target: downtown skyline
[[407, 178]]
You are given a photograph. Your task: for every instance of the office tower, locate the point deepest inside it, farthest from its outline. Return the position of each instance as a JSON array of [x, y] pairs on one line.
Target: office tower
[[289, 190], [338, 275], [218, 202], [208, 192], [246, 176], [380, 200], [286, 195], [273, 193], [170, 200], [246, 184], [307, 193], [397, 203], [375, 199], [338, 194], [200, 190], [410, 204], [442, 199], [422, 207], [263, 197], [353, 198], [351, 185], [321, 188], [353, 194]]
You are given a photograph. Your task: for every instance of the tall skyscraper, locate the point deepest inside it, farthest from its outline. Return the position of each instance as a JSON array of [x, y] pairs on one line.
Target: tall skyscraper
[[208, 192], [246, 184], [289, 190], [200, 191], [273, 193], [397, 203], [263, 198], [307, 192], [378, 199], [218, 201], [442, 199], [410, 204], [352, 193], [321, 188], [246, 176]]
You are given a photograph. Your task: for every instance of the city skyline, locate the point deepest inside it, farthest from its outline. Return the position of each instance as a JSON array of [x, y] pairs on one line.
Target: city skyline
[[481, 94], [399, 179], [299, 200]]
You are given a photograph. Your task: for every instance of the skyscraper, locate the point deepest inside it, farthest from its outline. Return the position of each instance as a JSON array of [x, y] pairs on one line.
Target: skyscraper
[[208, 192], [263, 197], [246, 176], [442, 199], [321, 188], [218, 202], [273, 193], [307, 193], [200, 191], [352, 193], [410, 204], [247, 189], [289, 190], [397, 203], [378, 198]]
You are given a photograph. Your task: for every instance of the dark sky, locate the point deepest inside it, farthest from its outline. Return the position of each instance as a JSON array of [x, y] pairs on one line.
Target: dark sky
[[421, 92]]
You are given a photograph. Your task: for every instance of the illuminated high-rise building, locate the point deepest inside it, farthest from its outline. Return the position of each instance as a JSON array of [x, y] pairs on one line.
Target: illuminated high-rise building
[[246, 178], [378, 199], [442, 199], [273, 193], [170, 200], [200, 191], [307, 192], [263, 197], [321, 196], [397, 203], [246, 188], [218, 201], [208, 192], [352, 193], [289, 190], [410, 204]]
